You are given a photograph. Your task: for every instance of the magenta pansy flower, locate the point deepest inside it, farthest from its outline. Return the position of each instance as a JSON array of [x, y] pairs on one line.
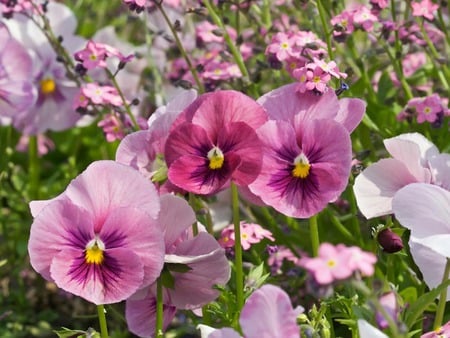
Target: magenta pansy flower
[[214, 142], [414, 159], [192, 288], [94, 239], [305, 165], [267, 313]]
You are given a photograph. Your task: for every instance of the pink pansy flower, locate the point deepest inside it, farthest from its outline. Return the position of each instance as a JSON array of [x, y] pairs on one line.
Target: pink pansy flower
[[440, 332], [206, 265], [429, 222], [144, 150], [16, 90], [93, 239], [214, 141], [330, 265], [268, 312], [305, 165], [53, 108], [250, 234], [425, 8], [414, 159]]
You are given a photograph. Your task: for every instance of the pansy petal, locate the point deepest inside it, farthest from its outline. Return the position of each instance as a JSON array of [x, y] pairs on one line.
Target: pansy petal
[[141, 316], [106, 185], [268, 312], [426, 148], [409, 152], [115, 279], [440, 169], [141, 235], [431, 216], [59, 226], [285, 102], [429, 262], [192, 173], [368, 331], [375, 187], [175, 217], [136, 150], [209, 266], [350, 113]]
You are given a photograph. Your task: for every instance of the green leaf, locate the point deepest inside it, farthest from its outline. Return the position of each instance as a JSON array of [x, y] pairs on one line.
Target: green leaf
[[178, 267], [69, 333], [420, 305], [167, 279]]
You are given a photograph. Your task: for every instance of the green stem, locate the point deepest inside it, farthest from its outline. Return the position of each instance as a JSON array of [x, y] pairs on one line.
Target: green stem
[[232, 46], [442, 299], [193, 204], [33, 167], [159, 310], [237, 248], [314, 234], [112, 77], [102, 321], [266, 18], [192, 69], [323, 21]]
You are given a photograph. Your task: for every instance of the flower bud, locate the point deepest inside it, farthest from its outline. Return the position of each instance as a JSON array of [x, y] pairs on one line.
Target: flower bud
[[389, 241]]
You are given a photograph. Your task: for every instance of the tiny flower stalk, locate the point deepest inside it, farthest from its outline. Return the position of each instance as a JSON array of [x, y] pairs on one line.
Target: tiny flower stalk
[[33, 167], [314, 234], [442, 299], [102, 321], [159, 309]]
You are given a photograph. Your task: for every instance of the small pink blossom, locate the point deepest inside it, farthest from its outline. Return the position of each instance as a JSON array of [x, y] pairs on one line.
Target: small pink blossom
[[250, 234], [95, 55], [283, 46], [343, 24], [363, 18], [97, 94], [425, 8], [45, 144], [278, 256], [112, 126]]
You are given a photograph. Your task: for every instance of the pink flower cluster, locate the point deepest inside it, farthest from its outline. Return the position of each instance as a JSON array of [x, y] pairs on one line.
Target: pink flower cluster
[[431, 109], [250, 234], [338, 263], [347, 21], [315, 76]]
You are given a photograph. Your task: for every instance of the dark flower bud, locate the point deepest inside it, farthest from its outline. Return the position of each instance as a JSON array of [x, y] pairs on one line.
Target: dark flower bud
[[389, 241]]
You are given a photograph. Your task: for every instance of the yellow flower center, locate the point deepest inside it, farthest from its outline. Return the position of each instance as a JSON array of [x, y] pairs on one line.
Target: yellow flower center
[[331, 263], [301, 166], [48, 86], [94, 252], [427, 110], [285, 45], [216, 158]]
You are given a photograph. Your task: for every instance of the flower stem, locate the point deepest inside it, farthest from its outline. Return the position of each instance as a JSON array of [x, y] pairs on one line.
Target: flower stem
[[314, 234], [442, 299], [102, 321], [159, 310], [323, 21], [232, 46], [192, 69], [237, 248], [33, 167]]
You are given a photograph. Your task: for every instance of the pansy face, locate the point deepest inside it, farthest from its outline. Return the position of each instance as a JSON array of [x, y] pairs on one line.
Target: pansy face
[[96, 240], [304, 166]]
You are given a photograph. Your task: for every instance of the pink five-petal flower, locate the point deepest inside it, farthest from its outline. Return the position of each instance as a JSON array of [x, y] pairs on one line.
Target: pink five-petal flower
[[93, 55], [305, 166], [429, 222], [330, 265], [286, 102], [424, 8], [413, 159], [214, 141], [191, 289], [267, 313], [93, 239]]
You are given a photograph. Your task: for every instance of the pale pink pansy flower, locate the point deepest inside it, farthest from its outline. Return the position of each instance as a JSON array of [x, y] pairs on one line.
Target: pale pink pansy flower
[[205, 262], [53, 107], [267, 313], [93, 239], [414, 159], [429, 222]]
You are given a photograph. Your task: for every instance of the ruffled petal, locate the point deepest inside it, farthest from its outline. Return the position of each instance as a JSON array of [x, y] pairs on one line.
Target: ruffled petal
[[350, 113]]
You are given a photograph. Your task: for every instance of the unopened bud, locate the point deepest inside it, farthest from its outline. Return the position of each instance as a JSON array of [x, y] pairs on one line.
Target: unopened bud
[[389, 241]]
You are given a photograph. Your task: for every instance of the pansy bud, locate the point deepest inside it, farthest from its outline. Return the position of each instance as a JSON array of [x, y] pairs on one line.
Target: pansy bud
[[389, 241]]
